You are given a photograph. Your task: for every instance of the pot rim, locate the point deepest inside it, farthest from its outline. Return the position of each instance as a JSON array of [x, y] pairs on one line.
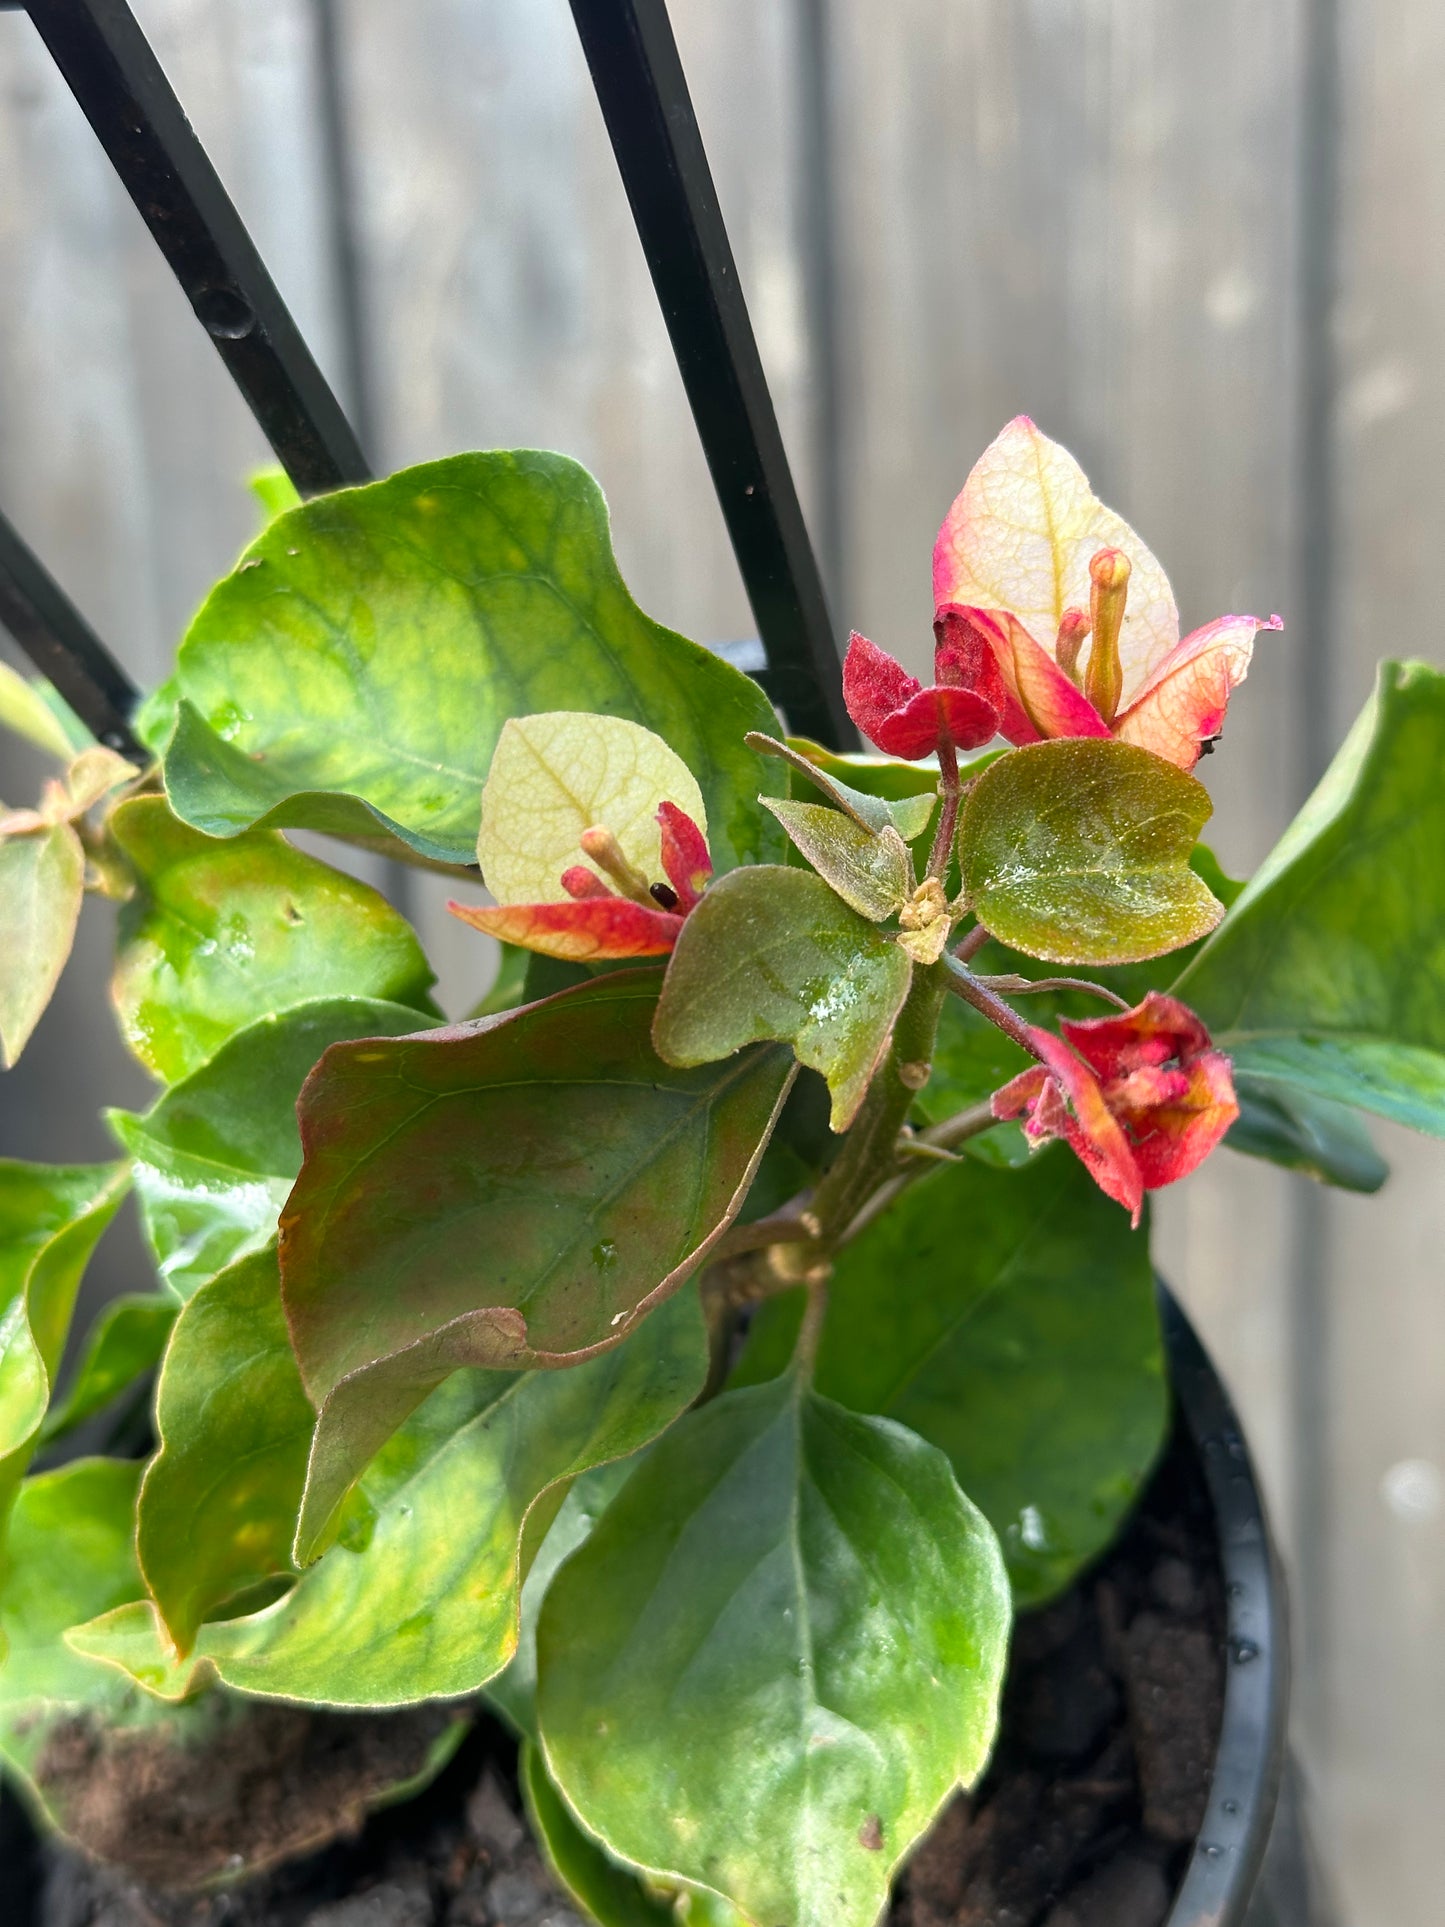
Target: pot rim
[[1249, 1760]]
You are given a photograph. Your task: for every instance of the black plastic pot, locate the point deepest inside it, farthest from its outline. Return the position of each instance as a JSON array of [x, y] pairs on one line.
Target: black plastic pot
[[1224, 1870], [1249, 1867]]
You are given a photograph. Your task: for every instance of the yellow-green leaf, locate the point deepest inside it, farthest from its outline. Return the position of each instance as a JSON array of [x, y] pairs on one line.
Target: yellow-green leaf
[[563, 772], [223, 932], [42, 880], [1077, 851]]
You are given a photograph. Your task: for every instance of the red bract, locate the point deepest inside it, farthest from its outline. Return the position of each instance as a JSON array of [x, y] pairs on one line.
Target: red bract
[[1141, 1098], [592, 922], [902, 718]]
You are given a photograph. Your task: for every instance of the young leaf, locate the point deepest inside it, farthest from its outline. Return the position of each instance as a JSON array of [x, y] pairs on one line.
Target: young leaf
[[125, 1342], [274, 491], [70, 1556], [42, 881], [428, 1608], [775, 953], [880, 777], [222, 933], [51, 1218], [520, 1191], [218, 1506], [868, 869], [1327, 973], [1033, 1358], [390, 631], [1077, 851], [25, 710], [554, 776], [214, 1158], [776, 1656], [898, 796]]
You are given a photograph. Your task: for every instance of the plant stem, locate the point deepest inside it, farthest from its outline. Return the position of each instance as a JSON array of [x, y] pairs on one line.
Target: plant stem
[[793, 1224], [869, 1153], [949, 786], [970, 946], [961, 1126], [988, 1003], [1030, 986], [810, 1332], [953, 1130]]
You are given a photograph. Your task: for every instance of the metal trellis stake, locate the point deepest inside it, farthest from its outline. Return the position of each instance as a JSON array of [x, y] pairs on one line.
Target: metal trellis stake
[[109, 67]]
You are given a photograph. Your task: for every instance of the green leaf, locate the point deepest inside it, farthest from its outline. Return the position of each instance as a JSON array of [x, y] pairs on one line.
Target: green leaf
[[354, 672], [875, 778], [868, 869], [428, 1608], [26, 711], [222, 933], [1032, 1359], [514, 1691], [554, 776], [155, 715], [774, 953], [51, 1218], [125, 1341], [1077, 851], [1285, 1124], [612, 1894], [518, 1191], [42, 880], [1327, 973], [776, 1656], [274, 491], [609, 1892], [218, 1506], [215, 1158], [70, 1556]]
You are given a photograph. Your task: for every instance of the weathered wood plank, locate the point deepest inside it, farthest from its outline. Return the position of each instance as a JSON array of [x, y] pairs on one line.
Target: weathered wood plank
[[510, 300], [1083, 212], [1379, 1729]]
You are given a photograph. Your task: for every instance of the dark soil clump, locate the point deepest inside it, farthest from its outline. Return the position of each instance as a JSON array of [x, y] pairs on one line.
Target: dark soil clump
[[1084, 1819], [458, 1855], [278, 1782]]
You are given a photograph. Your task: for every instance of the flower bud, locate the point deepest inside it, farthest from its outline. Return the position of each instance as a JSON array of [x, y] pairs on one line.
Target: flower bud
[[606, 852], [581, 884], [1109, 573], [1073, 628]]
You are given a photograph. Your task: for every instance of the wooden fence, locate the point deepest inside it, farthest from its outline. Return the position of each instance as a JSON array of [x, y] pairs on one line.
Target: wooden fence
[[1201, 244]]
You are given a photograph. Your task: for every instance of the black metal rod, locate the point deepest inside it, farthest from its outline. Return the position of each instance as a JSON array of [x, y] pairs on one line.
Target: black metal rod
[[109, 67], [643, 94], [63, 646]]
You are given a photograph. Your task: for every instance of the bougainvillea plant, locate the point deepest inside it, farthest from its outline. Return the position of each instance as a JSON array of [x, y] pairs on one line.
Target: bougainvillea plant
[[703, 1348]]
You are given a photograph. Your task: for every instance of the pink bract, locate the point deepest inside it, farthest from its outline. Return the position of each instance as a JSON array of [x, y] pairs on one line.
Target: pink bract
[[1141, 1098], [1012, 558]]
